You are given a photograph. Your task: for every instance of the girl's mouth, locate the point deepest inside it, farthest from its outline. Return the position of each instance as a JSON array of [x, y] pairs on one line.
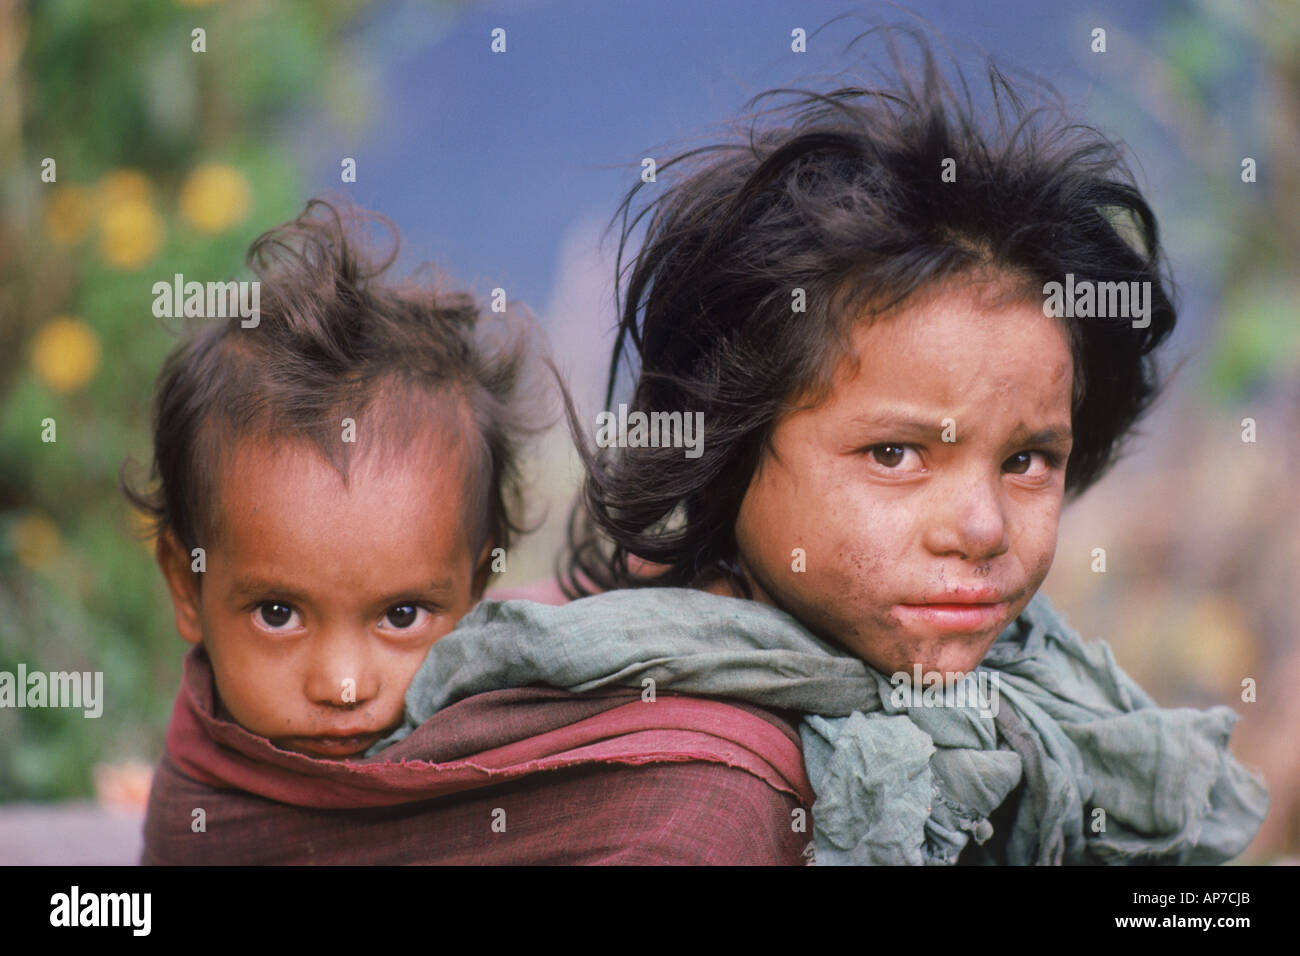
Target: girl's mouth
[[953, 616]]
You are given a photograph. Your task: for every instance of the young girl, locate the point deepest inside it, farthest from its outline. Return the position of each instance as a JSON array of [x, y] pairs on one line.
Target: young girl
[[911, 335]]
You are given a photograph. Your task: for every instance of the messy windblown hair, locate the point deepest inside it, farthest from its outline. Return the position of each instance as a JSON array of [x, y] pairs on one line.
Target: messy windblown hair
[[335, 339], [841, 194]]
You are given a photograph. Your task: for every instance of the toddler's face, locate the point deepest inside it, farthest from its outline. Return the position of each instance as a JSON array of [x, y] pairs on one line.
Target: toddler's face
[[898, 526], [319, 601]]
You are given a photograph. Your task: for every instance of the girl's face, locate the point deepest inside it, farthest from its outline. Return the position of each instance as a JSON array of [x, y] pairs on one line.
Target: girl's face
[[911, 515]]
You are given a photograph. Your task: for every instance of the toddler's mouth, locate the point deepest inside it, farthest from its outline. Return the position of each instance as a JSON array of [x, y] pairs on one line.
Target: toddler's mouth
[[332, 745]]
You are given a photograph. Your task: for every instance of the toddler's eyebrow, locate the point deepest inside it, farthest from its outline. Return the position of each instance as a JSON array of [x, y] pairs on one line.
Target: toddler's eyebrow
[[249, 587]]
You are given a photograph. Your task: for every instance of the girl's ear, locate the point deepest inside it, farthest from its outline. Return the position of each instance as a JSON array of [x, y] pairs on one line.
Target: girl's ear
[[183, 584]]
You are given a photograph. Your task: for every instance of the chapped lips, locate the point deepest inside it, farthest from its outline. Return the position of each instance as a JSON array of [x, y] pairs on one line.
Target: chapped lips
[[962, 597], [966, 609]]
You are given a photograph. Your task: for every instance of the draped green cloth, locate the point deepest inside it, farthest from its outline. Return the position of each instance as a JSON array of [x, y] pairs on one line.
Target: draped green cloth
[[1083, 765]]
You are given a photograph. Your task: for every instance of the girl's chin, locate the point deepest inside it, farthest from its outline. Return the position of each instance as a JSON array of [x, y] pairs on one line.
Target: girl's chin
[[943, 656]]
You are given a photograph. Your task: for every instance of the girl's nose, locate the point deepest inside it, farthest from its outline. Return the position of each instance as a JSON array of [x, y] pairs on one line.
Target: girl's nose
[[971, 523]]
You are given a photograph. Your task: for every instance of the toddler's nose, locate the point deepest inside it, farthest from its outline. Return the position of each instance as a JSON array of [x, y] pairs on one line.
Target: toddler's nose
[[342, 678]]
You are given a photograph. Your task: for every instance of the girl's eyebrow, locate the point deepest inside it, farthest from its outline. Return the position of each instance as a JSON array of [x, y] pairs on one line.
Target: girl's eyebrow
[[897, 423], [1052, 435], [1057, 434]]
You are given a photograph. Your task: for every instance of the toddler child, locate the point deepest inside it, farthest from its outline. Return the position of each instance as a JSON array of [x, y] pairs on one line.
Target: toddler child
[[334, 481]]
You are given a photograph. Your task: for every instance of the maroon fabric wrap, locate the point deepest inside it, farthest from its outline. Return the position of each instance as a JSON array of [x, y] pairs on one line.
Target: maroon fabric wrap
[[526, 776]]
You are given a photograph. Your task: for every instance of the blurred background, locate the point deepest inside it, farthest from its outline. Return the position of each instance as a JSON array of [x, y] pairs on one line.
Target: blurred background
[[503, 170]]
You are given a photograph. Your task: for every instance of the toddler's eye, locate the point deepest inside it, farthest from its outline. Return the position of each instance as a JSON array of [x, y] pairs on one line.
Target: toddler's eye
[[404, 616], [894, 456], [1022, 463], [272, 615]]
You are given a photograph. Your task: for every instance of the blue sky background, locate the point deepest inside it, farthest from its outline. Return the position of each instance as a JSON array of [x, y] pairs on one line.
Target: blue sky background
[[502, 168]]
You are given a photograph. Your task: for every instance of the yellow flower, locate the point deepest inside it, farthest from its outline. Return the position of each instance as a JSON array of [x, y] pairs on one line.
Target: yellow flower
[[65, 353], [120, 185], [130, 232], [68, 214], [36, 541], [215, 197]]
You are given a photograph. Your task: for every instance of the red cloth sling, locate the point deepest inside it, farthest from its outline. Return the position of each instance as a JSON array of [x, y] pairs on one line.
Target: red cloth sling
[[679, 779]]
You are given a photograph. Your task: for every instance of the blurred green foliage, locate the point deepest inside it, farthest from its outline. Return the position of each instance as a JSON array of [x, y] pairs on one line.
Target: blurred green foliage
[[114, 93]]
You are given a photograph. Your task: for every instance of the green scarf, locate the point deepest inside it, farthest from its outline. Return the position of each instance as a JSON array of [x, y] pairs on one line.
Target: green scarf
[[1091, 770]]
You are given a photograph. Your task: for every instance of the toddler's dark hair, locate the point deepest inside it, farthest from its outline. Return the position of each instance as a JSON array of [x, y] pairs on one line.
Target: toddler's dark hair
[[335, 340], [842, 196]]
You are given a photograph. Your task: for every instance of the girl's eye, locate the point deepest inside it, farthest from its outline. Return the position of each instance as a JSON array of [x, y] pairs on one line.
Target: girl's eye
[[1022, 463], [404, 616], [273, 615], [894, 456]]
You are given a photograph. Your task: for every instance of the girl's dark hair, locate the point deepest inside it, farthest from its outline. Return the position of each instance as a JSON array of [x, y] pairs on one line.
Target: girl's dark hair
[[842, 195], [335, 339]]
